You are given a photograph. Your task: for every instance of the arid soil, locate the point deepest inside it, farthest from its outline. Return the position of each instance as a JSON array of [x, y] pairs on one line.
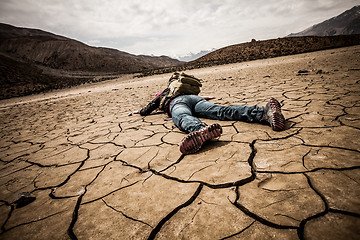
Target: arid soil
[[97, 173]]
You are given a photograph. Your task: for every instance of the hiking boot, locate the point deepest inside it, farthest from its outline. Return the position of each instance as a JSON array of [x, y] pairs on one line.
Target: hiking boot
[[194, 140], [272, 115]]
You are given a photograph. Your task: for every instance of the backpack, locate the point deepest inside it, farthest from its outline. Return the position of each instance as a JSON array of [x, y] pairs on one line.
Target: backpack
[[182, 84]]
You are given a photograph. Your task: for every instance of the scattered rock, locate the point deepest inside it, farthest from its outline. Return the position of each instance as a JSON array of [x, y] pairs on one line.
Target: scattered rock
[[23, 199], [321, 72], [303, 71]]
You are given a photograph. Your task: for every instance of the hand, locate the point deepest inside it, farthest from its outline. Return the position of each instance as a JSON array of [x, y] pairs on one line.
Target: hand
[[134, 112], [208, 97]]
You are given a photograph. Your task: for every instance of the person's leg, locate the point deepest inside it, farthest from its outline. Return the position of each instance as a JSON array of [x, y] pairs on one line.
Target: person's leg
[[206, 109], [182, 109], [270, 114], [194, 140]]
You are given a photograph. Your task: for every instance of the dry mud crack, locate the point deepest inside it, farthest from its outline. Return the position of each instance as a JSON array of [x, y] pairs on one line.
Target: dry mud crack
[[98, 173]]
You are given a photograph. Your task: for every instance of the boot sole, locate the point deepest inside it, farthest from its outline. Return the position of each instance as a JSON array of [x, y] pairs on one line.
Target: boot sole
[[194, 141], [277, 119]]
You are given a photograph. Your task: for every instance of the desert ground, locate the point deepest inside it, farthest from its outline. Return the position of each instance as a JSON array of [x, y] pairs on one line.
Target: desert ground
[[97, 173]]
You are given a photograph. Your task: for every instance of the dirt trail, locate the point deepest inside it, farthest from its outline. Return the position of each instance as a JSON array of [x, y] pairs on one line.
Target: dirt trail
[[98, 173]]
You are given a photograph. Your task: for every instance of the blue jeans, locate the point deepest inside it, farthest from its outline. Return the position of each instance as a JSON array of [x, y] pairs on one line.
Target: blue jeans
[[186, 109]]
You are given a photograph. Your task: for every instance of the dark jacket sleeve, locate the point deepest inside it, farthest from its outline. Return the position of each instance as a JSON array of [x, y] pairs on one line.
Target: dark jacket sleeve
[[154, 104]]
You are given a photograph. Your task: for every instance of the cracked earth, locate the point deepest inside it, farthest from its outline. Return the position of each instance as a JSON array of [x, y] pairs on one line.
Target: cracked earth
[[97, 173]]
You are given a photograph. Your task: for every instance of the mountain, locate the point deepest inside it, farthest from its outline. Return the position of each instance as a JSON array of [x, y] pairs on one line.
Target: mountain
[[33, 60], [57, 52], [346, 23], [342, 30], [263, 49], [194, 56], [274, 48]]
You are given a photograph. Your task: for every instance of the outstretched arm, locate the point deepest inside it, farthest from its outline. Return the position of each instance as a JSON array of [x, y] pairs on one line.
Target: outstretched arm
[[154, 104], [208, 97]]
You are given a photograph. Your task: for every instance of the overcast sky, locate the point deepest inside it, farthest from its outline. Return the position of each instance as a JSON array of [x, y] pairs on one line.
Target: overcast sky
[[170, 27]]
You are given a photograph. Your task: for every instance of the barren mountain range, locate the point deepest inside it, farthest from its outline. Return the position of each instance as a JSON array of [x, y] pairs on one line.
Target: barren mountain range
[[344, 24], [262, 49], [342, 30], [57, 52], [33, 61]]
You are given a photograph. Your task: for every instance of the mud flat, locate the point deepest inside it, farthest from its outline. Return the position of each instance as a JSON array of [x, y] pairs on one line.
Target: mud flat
[[97, 173]]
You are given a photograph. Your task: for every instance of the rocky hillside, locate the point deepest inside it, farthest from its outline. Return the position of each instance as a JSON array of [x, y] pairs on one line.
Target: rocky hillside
[[346, 23], [264, 49], [34, 60], [58, 52], [274, 48], [18, 78]]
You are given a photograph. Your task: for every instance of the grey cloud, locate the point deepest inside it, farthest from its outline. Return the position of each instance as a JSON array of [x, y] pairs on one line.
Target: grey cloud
[[169, 26]]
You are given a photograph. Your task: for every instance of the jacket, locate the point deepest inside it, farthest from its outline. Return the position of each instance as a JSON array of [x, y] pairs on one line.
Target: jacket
[[155, 103]]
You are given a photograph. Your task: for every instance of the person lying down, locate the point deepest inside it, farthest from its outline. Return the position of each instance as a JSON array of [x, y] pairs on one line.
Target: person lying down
[[185, 107]]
